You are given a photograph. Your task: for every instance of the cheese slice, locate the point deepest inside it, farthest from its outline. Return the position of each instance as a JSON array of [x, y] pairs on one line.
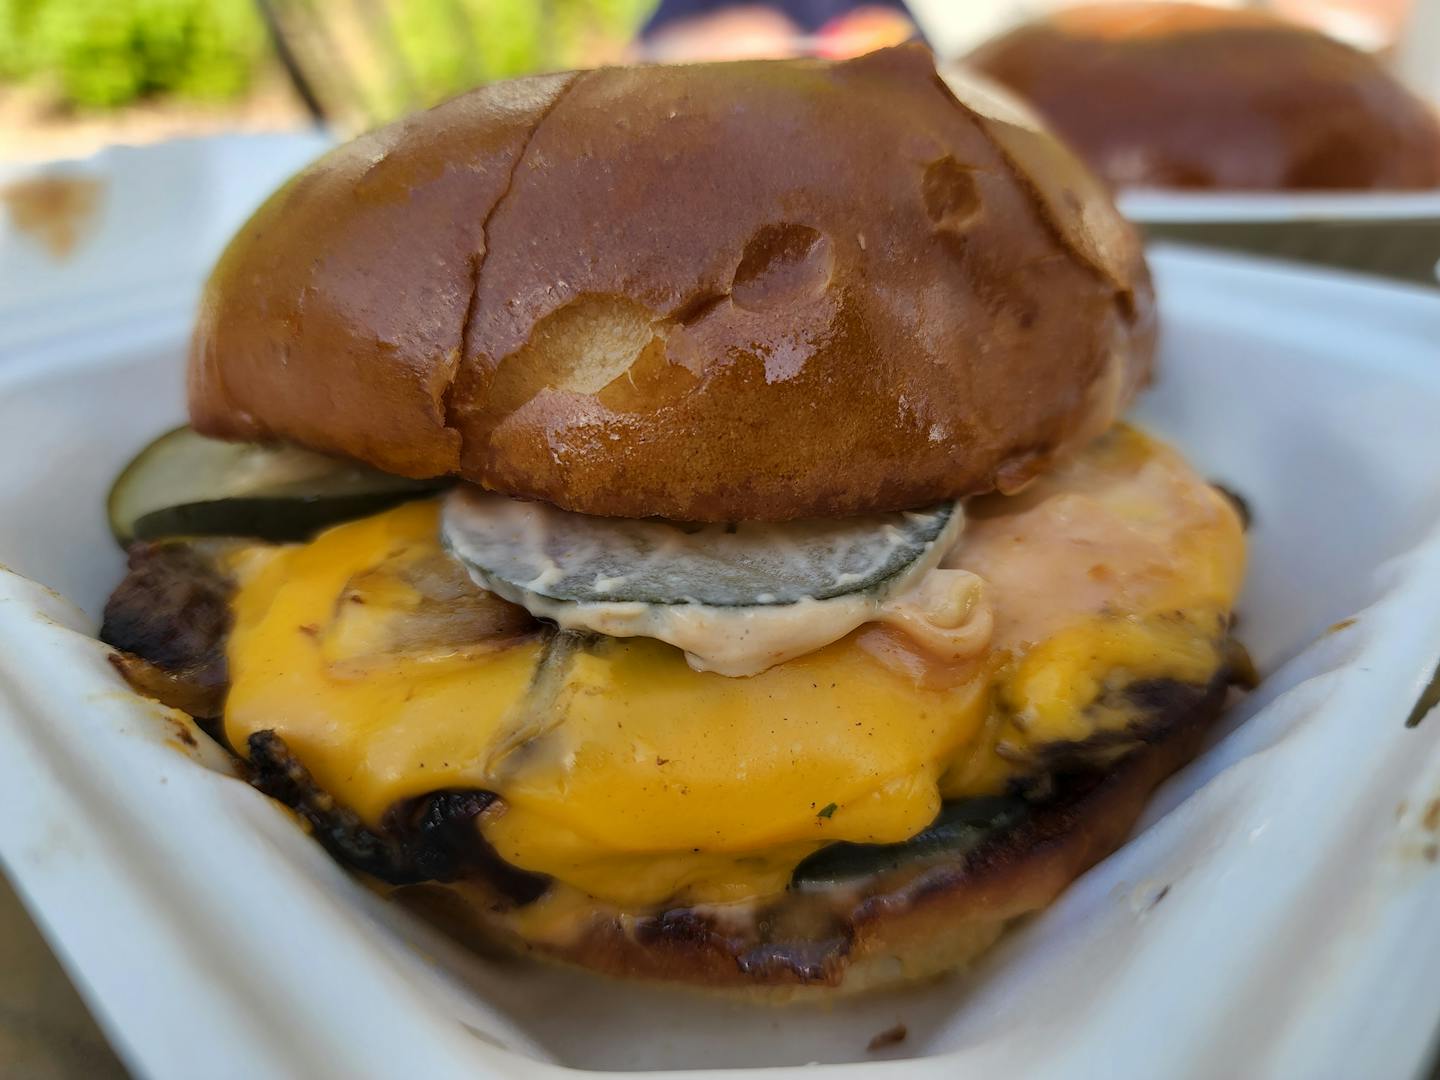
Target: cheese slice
[[626, 774]]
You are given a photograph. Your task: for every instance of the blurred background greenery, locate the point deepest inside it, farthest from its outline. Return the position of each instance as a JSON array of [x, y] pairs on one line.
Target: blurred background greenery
[[384, 57], [107, 54], [77, 74]]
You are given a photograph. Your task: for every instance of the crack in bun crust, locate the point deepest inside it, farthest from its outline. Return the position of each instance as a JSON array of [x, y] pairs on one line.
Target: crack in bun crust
[[687, 292]]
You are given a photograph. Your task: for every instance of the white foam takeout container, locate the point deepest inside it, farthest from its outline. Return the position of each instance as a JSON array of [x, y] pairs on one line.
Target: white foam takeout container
[[1395, 234], [1274, 916], [1146, 205]]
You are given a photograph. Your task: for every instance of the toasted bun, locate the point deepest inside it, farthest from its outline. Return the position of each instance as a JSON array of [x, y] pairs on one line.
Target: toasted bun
[[912, 924], [1187, 96], [761, 290]]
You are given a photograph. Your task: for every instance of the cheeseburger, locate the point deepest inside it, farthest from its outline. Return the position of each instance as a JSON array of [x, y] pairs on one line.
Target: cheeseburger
[[674, 521], [1177, 95]]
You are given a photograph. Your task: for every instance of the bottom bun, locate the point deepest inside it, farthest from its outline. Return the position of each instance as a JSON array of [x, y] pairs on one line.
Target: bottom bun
[[932, 915]]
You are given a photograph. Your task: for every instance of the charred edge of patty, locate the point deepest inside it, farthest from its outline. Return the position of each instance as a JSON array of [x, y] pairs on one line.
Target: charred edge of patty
[[170, 618], [1157, 701], [430, 838], [1239, 502]]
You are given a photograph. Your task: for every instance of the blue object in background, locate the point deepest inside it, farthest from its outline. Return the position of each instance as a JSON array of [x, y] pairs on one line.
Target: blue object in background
[[809, 15]]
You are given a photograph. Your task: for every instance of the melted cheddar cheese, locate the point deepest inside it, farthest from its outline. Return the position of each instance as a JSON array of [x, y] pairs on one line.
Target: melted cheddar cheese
[[629, 776]]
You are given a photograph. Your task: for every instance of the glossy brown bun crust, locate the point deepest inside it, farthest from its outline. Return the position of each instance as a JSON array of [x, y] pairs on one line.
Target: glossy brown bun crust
[[1186, 96], [760, 290]]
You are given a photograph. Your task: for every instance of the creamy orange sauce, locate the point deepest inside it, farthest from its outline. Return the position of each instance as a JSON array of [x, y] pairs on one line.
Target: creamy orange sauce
[[1104, 532]]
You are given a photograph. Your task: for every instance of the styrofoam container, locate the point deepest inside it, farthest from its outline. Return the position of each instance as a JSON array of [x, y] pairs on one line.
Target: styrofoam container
[[159, 217], [1225, 207], [1274, 916], [1394, 234]]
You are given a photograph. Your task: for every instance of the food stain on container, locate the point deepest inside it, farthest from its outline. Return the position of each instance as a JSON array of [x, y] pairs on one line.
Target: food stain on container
[[53, 210], [891, 1036], [1418, 839]]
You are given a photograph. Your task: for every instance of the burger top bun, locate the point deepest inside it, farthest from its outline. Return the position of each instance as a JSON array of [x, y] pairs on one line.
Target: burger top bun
[[762, 290], [1188, 96]]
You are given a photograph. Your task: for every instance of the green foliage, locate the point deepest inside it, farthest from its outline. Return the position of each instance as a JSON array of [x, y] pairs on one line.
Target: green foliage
[[102, 53], [396, 54], [16, 58], [450, 45]]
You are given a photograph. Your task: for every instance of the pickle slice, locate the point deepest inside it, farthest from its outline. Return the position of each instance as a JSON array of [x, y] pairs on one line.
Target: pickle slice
[[525, 549], [961, 827], [184, 484]]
